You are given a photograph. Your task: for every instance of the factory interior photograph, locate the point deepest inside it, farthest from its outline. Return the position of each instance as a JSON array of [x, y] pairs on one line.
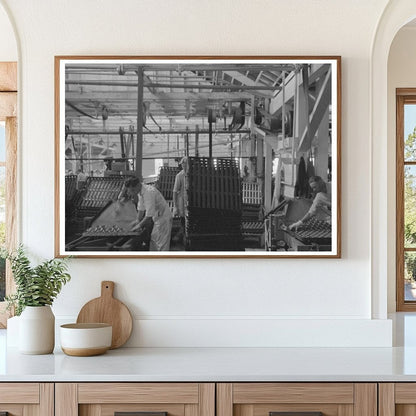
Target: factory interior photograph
[[198, 156]]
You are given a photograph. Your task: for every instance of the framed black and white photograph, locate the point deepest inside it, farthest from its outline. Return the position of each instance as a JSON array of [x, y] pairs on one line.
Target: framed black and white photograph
[[198, 156]]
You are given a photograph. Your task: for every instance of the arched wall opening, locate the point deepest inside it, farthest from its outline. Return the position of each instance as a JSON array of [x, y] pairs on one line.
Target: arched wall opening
[[401, 74], [386, 76], [8, 45]]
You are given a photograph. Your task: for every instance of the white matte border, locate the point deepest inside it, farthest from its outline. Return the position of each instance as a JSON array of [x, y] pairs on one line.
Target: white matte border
[[63, 61]]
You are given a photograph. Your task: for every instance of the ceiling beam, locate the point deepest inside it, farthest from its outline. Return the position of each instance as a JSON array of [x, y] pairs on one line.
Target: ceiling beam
[[182, 66], [183, 85], [246, 81], [183, 131], [108, 96], [322, 103], [290, 88]]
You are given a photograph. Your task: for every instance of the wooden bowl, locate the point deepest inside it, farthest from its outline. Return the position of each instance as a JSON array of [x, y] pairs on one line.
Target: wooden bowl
[[84, 340]]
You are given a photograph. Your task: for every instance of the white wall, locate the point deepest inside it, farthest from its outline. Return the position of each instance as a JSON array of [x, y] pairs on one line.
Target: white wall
[[401, 74], [8, 47], [204, 302]]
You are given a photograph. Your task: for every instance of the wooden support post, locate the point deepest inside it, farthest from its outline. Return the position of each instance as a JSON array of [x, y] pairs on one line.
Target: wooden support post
[[210, 131], [197, 141], [305, 72], [252, 172], [168, 151], [89, 159], [322, 150], [108, 146], [81, 162], [283, 109], [139, 140], [260, 156], [123, 150], [322, 103], [187, 142], [300, 118], [261, 169], [268, 172]]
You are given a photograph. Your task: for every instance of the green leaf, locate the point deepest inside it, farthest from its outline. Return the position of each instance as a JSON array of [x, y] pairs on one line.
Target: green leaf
[[35, 286]]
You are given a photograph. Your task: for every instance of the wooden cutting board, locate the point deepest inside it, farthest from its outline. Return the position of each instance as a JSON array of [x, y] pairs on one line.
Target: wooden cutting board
[[107, 309]]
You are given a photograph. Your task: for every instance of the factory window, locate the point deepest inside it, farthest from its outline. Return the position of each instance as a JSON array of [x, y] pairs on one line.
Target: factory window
[[406, 200], [8, 169]]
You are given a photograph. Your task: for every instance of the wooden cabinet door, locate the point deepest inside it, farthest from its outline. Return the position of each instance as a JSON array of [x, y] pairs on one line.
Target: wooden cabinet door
[[143, 399], [26, 399], [397, 399], [297, 399]]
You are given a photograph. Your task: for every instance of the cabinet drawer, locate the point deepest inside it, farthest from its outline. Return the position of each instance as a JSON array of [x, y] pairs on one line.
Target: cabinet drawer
[[21, 399], [138, 393], [309, 399], [19, 393], [146, 399]]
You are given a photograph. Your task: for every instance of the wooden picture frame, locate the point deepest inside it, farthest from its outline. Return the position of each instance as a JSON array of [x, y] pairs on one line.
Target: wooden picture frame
[[258, 137], [8, 116], [405, 301]]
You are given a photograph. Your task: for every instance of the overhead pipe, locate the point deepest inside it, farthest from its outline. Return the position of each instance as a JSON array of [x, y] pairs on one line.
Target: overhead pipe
[[117, 132], [241, 139], [162, 85]]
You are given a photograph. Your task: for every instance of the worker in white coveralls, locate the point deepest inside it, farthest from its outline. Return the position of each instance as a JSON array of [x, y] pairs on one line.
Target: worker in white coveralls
[[179, 196], [151, 206]]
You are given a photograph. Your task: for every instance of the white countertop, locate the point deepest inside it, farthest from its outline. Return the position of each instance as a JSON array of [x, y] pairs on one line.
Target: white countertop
[[222, 364], [215, 364]]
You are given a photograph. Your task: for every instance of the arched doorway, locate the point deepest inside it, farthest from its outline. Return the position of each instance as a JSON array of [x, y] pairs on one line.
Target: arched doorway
[[396, 15]]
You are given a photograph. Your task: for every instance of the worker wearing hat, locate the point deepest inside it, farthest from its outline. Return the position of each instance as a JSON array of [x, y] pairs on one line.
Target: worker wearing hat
[[151, 206], [321, 205]]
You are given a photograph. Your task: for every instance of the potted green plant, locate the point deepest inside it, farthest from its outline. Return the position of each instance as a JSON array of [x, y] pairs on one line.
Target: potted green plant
[[36, 289]]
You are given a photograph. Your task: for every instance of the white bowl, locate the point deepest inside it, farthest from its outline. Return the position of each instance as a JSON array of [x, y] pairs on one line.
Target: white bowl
[[83, 340]]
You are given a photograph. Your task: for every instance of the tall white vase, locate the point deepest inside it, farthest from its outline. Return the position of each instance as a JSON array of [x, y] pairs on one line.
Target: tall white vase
[[37, 330]]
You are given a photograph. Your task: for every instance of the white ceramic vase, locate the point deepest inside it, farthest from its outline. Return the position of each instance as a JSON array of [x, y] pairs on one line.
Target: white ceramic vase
[[37, 330]]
